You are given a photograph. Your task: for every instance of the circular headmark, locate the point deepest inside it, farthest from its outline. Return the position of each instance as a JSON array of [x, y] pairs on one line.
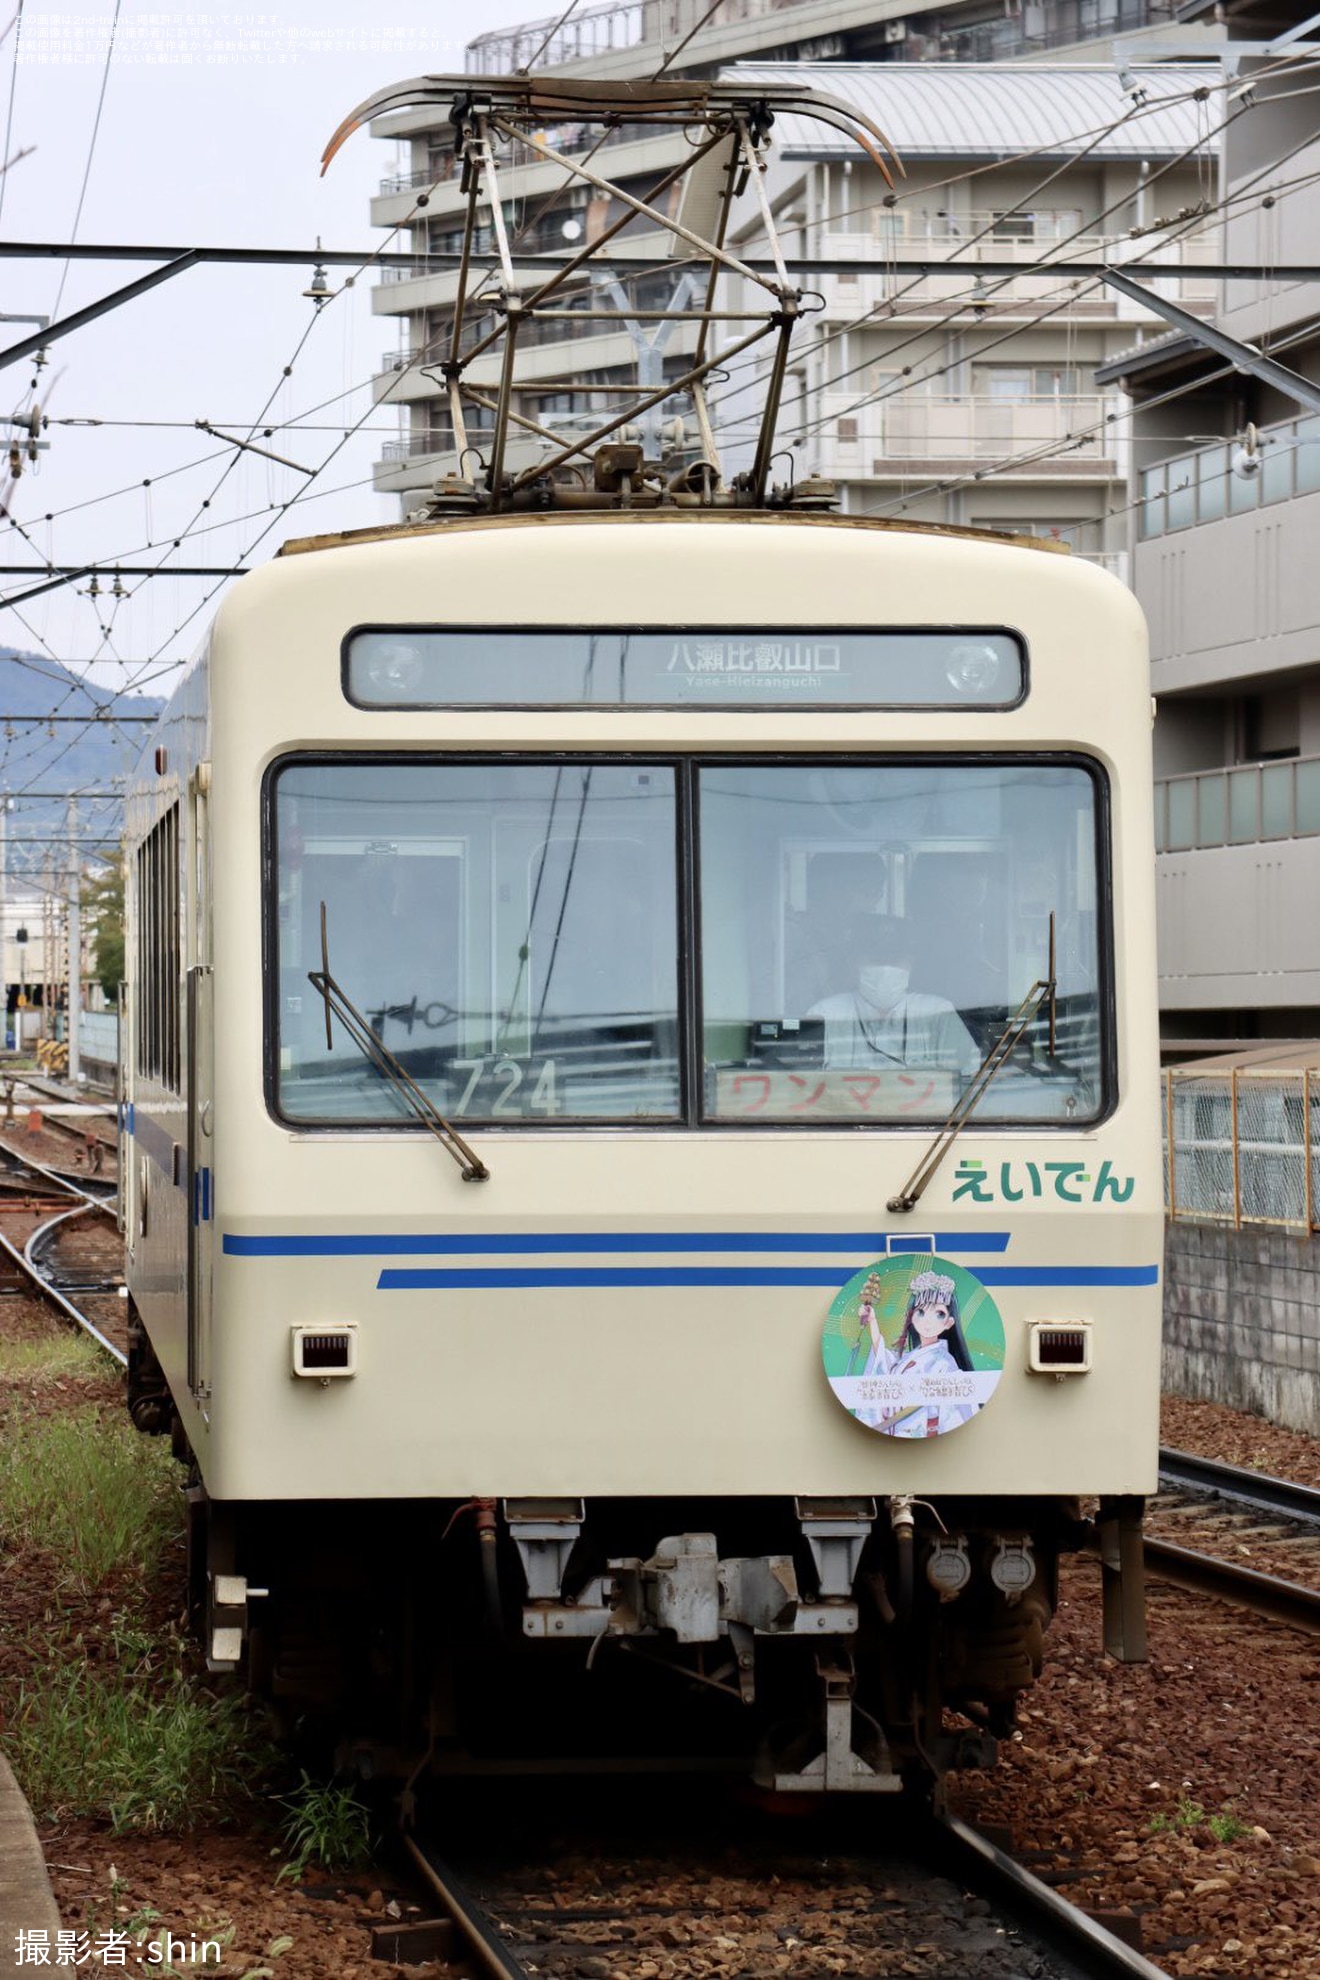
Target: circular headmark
[[913, 1346]]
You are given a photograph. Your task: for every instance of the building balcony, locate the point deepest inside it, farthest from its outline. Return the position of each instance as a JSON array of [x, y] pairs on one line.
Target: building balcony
[[1060, 438], [1025, 34], [625, 152], [621, 37], [630, 37], [419, 284], [1241, 804], [1270, 229], [1238, 871], [1225, 567], [966, 239], [1236, 925]]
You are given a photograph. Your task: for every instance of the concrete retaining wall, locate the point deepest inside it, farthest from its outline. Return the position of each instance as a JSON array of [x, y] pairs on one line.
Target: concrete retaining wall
[[1242, 1321]]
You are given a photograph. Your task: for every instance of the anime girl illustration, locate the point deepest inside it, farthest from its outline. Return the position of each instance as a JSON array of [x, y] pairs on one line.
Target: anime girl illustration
[[919, 1386]]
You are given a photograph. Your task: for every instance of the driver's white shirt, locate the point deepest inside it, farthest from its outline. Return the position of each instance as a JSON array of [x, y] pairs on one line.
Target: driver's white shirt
[[921, 1030]]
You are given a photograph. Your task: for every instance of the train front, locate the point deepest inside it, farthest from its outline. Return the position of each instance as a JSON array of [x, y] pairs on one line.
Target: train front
[[687, 1195]]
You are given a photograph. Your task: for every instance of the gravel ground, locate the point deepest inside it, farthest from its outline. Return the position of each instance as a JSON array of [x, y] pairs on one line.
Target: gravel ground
[[1109, 1790], [55, 1149]]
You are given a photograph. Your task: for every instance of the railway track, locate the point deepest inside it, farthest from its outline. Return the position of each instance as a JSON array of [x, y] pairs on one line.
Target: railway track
[[1240, 1504], [945, 1899], [29, 1263], [1255, 1489]]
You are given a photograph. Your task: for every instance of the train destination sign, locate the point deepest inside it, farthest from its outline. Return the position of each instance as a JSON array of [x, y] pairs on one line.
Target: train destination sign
[[677, 667]]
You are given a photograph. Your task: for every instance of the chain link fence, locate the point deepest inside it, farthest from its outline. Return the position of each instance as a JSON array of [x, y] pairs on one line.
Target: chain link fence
[[1240, 1148]]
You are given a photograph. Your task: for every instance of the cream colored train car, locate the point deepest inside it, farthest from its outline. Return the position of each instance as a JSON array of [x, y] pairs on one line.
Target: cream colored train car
[[562, 953]]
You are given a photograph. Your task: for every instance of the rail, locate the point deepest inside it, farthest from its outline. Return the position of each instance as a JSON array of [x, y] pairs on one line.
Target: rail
[[1242, 1147], [467, 1917], [964, 1852], [1262, 1594], [1256, 1489], [944, 1845], [25, 1261]]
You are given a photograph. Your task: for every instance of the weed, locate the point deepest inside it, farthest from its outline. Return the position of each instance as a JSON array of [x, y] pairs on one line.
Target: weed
[[52, 1360], [155, 1753], [326, 1826], [1225, 1827], [91, 1491]]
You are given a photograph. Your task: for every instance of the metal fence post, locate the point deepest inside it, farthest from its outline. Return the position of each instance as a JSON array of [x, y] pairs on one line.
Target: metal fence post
[[1173, 1188], [1237, 1177], [1306, 1146]]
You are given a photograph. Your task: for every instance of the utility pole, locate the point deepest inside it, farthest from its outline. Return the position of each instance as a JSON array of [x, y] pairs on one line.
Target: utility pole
[[48, 958], [75, 945], [5, 802]]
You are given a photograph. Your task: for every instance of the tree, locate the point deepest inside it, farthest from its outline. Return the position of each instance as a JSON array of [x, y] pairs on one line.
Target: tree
[[103, 907]]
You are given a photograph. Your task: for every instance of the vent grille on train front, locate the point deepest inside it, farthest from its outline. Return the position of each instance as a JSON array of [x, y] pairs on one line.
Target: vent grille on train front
[[322, 1353], [1059, 1347]]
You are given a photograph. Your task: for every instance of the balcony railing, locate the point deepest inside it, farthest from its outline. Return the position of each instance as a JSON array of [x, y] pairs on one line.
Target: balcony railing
[[1242, 1147], [917, 230], [1240, 806], [622, 24], [1000, 41], [966, 239], [979, 426], [1214, 482]]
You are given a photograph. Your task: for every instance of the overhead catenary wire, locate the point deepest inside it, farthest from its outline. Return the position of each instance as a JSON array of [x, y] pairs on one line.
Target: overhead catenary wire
[[196, 526], [91, 152], [16, 29]]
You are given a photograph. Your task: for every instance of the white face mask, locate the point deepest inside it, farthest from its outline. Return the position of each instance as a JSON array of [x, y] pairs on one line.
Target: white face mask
[[882, 985]]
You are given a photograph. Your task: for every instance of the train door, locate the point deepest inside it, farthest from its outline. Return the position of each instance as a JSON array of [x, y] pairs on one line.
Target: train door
[[200, 1023], [125, 1196]]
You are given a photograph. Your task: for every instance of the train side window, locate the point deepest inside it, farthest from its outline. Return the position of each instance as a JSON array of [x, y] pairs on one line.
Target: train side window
[[159, 953]]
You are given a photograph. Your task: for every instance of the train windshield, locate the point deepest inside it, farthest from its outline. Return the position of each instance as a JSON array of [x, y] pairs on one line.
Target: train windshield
[[728, 943]]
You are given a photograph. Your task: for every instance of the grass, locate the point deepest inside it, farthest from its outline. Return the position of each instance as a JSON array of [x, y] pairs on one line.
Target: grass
[[53, 1360], [90, 1490], [1227, 1826], [105, 1722], [149, 1753], [326, 1828]]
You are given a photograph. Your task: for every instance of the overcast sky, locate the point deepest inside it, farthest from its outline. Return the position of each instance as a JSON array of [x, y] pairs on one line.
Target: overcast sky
[[210, 133]]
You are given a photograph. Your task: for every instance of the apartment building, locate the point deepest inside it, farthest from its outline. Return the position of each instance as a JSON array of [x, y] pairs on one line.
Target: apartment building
[[961, 396], [1225, 523], [630, 37], [1030, 398]]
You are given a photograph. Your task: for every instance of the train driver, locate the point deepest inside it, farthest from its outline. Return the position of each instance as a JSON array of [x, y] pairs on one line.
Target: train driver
[[881, 1022]]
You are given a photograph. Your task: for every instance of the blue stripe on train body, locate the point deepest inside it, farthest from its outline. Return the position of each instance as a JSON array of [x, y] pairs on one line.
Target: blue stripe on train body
[[543, 1244]]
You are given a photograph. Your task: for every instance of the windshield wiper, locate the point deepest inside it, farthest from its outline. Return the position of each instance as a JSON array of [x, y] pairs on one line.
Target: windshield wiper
[[1043, 992], [379, 1055]]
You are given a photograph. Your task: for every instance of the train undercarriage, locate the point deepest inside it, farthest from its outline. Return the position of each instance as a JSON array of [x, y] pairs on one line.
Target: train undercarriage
[[817, 1644]]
